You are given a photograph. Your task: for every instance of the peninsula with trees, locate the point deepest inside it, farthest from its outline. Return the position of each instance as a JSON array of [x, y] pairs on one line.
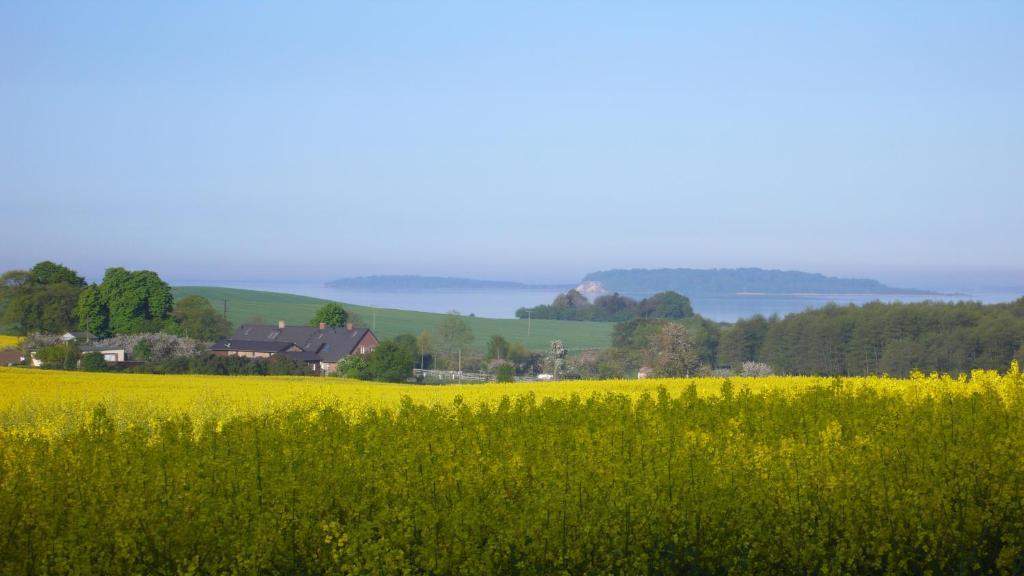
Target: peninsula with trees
[[639, 282]]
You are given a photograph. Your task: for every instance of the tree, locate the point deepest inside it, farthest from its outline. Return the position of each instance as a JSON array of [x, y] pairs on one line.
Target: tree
[[497, 347], [671, 305], [506, 373], [674, 352], [42, 299], [92, 362], [557, 356], [425, 346], [63, 356], [636, 334], [47, 273], [390, 362], [195, 317], [518, 354], [407, 342], [613, 307], [331, 314], [135, 301], [142, 351], [454, 334], [10, 282], [39, 308], [91, 312], [354, 366]]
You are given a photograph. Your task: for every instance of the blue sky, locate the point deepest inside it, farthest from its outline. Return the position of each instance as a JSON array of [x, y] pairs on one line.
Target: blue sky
[[521, 140]]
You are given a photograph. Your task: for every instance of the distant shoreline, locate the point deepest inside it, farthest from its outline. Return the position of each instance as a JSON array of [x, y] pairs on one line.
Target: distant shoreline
[[409, 283], [917, 293]]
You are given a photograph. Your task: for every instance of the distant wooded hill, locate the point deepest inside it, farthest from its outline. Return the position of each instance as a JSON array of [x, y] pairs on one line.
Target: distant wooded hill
[[410, 283], [696, 282]]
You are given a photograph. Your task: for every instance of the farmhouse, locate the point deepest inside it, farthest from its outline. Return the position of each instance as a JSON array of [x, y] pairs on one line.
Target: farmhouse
[[319, 347]]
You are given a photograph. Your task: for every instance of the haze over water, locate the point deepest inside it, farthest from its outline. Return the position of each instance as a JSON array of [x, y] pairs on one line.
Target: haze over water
[[504, 303]]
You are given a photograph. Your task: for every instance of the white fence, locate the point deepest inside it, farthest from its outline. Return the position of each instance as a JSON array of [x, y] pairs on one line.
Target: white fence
[[452, 375]]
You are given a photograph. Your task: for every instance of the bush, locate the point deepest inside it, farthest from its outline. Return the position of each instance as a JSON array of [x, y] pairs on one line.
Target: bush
[[353, 367], [756, 369], [59, 356], [142, 351], [212, 364], [389, 362], [506, 373], [92, 362], [284, 366]]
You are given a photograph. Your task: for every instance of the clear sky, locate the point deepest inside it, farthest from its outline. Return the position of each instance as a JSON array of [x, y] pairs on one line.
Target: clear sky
[[523, 140]]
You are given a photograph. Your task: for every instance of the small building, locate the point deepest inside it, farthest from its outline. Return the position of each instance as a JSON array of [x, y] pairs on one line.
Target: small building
[[110, 353], [320, 347], [644, 372]]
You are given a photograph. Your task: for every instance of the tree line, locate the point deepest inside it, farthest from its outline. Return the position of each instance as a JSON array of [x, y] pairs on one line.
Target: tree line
[[879, 338], [610, 308], [51, 298]]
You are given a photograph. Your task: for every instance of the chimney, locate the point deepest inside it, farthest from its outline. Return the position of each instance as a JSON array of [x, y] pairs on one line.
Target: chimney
[[348, 326], [280, 324], [323, 325]]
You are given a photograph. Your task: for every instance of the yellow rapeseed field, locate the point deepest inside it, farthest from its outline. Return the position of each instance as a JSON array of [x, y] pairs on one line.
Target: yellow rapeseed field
[[9, 341], [141, 474], [50, 401]]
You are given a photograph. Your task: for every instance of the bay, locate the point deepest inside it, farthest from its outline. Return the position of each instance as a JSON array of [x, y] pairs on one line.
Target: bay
[[504, 303]]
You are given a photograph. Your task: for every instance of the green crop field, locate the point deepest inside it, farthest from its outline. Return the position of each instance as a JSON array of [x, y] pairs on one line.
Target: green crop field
[[268, 307]]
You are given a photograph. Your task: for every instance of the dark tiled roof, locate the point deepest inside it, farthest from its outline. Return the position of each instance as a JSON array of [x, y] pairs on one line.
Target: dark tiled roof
[[302, 356], [331, 344], [251, 346]]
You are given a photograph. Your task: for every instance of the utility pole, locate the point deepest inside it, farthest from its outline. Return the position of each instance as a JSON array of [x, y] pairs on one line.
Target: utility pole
[[460, 365], [529, 322], [225, 308], [374, 320]]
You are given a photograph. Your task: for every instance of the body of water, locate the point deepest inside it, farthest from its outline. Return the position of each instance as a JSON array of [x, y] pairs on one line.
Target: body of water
[[503, 303]]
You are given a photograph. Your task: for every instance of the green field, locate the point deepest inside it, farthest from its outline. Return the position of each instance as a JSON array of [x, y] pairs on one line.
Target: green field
[[250, 306]]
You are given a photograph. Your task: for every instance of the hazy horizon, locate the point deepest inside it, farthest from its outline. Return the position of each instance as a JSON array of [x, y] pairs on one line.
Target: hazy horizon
[[533, 142]]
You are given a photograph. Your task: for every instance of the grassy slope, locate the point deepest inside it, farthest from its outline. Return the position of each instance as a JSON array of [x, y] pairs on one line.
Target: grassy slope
[[246, 305]]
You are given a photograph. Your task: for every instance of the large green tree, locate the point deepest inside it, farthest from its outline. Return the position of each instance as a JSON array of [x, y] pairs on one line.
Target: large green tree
[[42, 299], [92, 312], [331, 314], [673, 352], [453, 335], [497, 347], [195, 317], [126, 302], [671, 305], [47, 273], [391, 362]]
